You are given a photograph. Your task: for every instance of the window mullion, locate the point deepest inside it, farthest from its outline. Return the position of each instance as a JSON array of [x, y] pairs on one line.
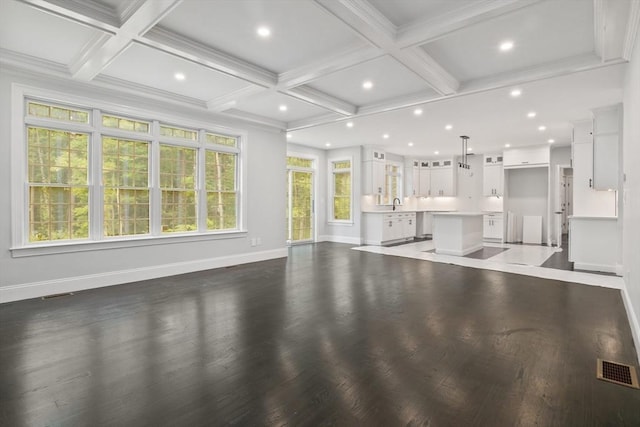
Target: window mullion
[[155, 194], [96, 188], [201, 190]]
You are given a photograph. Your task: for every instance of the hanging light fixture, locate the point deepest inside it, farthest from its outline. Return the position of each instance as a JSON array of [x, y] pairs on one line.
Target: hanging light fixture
[[463, 163]]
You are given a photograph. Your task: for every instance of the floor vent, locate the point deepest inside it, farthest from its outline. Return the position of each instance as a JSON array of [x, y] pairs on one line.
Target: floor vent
[[58, 295], [617, 373]]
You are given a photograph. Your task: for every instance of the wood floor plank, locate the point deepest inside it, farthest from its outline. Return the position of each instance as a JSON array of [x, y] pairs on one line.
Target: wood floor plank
[[329, 336]]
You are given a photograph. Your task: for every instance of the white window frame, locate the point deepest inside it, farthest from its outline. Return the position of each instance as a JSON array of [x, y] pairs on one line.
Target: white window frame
[[400, 180], [314, 170], [330, 219], [20, 245]]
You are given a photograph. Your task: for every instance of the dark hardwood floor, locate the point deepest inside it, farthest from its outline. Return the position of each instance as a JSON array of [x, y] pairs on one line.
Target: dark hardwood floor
[[329, 336]]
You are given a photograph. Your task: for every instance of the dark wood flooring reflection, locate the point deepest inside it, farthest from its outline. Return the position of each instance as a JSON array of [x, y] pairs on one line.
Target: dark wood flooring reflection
[[329, 336]]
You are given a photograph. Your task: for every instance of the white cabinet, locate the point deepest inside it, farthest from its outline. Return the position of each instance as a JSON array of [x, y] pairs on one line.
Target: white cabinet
[[443, 178], [586, 200], [526, 157], [373, 171], [380, 228], [493, 177], [424, 224], [606, 141], [493, 227], [424, 172]]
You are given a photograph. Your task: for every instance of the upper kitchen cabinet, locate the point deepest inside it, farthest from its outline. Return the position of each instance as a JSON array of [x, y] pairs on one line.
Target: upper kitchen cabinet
[[607, 125], [526, 157], [493, 175], [418, 178], [373, 170], [443, 178]]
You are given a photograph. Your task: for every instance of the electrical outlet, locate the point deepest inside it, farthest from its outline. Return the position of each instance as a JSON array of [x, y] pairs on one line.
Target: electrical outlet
[[259, 241], [253, 242]]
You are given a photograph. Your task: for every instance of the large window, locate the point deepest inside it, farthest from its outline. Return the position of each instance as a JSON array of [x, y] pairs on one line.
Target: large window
[[94, 175], [341, 190]]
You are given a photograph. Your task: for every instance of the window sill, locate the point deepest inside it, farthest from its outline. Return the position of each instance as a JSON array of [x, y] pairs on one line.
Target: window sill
[[131, 242], [349, 223]]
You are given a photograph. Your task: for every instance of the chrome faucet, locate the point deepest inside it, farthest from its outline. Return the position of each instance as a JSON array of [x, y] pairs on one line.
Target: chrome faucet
[[394, 203]]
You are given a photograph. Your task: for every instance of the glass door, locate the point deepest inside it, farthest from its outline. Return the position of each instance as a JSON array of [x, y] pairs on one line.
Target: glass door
[[300, 204]]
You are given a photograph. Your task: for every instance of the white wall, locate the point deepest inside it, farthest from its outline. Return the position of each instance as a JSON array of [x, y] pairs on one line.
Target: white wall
[[527, 194], [631, 192], [320, 184], [45, 274]]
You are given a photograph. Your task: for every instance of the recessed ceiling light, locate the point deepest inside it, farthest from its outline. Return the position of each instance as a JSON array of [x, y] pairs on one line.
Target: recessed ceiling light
[[541, 128], [531, 114], [282, 108], [410, 144], [328, 144], [507, 145], [367, 84], [263, 32], [289, 135], [436, 152], [349, 124], [448, 127], [417, 111], [506, 45], [551, 141], [385, 136], [469, 149], [179, 76], [516, 93]]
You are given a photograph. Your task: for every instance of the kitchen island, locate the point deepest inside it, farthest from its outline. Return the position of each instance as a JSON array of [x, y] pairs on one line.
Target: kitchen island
[[457, 233]]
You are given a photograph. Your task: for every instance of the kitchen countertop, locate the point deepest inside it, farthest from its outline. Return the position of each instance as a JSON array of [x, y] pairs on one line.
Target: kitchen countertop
[[460, 213], [591, 217], [388, 211]]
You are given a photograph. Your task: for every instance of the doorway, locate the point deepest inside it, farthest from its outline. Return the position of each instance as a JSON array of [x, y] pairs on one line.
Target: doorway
[[300, 200], [566, 197]]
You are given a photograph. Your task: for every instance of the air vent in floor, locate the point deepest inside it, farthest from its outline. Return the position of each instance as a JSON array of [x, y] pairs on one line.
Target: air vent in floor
[[617, 373]]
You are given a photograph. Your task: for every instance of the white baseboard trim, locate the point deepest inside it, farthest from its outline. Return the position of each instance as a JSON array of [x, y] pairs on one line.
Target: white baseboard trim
[[340, 239], [634, 323], [605, 268], [462, 252], [79, 283]]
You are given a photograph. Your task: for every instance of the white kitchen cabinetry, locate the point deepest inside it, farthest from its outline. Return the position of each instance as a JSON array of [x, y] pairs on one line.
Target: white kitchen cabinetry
[[606, 139], [443, 178], [424, 224], [493, 178], [527, 157], [381, 228], [412, 178], [424, 178], [493, 227], [586, 200], [373, 171]]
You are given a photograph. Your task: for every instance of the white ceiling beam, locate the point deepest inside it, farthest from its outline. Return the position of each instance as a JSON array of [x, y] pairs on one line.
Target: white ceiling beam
[[375, 28], [254, 118], [85, 12], [427, 30], [322, 99], [314, 121], [190, 50], [105, 51], [325, 66], [633, 26]]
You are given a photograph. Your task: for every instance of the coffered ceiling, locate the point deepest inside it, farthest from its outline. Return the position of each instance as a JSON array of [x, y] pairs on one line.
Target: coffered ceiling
[[306, 76]]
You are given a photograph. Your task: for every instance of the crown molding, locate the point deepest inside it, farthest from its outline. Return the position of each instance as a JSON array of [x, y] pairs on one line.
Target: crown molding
[[316, 70], [430, 29], [255, 118], [230, 100], [308, 122], [321, 99], [85, 12], [183, 47]]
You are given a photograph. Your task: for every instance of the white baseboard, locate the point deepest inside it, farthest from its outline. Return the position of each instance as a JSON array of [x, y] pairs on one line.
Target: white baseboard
[[340, 239], [79, 283], [462, 252], [605, 268], [633, 320]]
